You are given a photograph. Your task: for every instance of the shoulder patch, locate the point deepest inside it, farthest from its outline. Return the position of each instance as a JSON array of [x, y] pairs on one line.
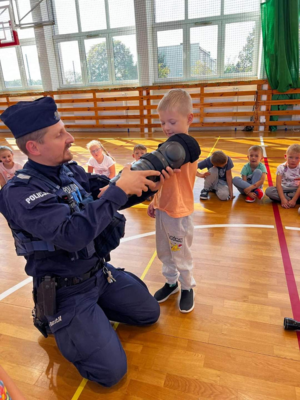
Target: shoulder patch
[[72, 162], [35, 198]]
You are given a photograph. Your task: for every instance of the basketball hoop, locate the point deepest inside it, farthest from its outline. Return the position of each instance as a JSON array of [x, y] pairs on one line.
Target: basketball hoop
[[8, 36]]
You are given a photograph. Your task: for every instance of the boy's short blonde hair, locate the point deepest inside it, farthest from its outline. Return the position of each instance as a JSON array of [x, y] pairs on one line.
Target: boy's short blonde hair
[[218, 158], [293, 148], [256, 148], [176, 98], [139, 147]]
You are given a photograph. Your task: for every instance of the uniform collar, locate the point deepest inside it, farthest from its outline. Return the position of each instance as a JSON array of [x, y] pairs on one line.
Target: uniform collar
[[52, 173]]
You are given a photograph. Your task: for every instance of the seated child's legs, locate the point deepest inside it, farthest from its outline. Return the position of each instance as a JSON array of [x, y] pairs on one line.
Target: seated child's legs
[[272, 193], [256, 176], [222, 190], [211, 181], [240, 184]]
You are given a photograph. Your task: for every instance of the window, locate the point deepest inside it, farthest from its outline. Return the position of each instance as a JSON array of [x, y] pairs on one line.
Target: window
[[95, 44], [70, 62], [203, 39], [19, 65]]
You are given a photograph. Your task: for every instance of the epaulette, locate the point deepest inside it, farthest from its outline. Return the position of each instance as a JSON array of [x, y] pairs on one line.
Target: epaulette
[[22, 177], [72, 162]]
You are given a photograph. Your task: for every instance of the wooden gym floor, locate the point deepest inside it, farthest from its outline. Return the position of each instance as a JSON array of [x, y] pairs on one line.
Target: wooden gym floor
[[232, 346]]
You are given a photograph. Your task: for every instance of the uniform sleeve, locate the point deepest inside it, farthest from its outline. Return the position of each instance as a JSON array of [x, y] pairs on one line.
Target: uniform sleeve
[[40, 214], [205, 164]]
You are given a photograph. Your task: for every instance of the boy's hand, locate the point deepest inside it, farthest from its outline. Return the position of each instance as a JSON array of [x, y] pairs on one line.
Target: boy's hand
[[247, 191], [292, 203], [151, 210], [285, 203], [202, 175], [165, 174], [136, 182]]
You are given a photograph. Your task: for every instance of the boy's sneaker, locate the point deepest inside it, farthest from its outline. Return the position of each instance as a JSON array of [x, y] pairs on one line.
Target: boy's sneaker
[[204, 194], [249, 199], [165, 292], [259, 193], [186, 302]]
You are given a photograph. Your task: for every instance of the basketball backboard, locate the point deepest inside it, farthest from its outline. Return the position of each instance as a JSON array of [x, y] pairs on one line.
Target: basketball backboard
[[30, 13], [8, 36]]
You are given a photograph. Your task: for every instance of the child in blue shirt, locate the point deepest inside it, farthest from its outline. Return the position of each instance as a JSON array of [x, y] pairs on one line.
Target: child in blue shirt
[[218, 179], [253, 176]]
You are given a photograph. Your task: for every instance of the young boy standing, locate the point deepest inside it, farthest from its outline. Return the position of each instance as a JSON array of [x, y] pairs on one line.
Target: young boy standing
[[219, 176], [287, 190], [253, 176], [173, 206]]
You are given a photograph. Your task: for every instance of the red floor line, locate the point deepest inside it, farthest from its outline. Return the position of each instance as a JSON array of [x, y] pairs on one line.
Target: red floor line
[[288, 268]]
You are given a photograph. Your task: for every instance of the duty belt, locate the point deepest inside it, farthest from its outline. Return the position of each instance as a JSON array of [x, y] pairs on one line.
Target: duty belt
[[63, 282]]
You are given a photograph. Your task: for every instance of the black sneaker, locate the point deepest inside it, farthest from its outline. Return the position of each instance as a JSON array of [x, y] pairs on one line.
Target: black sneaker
[[204, 194], [165, 292], [186, 303]]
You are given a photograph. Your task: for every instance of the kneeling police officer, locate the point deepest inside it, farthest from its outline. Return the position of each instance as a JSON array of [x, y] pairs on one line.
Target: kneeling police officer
[[54, 212]]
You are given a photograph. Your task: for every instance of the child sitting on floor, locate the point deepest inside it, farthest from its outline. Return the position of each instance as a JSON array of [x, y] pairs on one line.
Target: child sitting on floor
[[218, 179], [287, 189], [253, 176], [7, 165], [101, 162]]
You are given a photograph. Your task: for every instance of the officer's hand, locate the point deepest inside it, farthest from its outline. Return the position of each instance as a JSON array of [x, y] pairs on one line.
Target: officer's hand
[[151, 210], [165, 174], [102, 191], [136, 182]]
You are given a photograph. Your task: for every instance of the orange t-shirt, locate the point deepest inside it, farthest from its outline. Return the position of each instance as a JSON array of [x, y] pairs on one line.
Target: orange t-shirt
[[176, 196]]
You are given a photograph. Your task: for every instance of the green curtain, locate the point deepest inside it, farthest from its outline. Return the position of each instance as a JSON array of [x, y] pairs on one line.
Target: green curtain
[[280, 30]]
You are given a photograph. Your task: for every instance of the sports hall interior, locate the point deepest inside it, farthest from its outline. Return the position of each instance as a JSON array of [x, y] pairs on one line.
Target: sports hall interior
[[233, 345]]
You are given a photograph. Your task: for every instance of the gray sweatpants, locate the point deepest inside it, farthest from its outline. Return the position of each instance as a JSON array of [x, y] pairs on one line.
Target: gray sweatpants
[[251, 179], [174, 237], [213, 183], [288, 191]]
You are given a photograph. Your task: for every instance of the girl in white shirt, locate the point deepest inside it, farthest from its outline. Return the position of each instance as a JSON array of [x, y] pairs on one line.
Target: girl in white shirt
[[7, 165], [101, 162]]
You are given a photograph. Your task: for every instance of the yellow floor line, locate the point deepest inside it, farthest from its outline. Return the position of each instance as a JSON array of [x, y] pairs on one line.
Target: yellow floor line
[[212, 149], [115, 326]]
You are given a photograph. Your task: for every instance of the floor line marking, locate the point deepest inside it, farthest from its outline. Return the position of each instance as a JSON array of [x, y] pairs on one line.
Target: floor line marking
[[292, 228], [212, 149], [287, 264], [15, 288]]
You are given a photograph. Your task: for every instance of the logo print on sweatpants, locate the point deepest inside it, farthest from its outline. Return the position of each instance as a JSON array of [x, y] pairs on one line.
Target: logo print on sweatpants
[[175, 243]]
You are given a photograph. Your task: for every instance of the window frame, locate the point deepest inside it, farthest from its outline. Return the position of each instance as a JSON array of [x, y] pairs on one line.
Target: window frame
[[80, 37], [221, 21], [22, 69]]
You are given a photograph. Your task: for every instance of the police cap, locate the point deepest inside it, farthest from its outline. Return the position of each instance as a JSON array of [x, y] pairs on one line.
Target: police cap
[[29, 116]]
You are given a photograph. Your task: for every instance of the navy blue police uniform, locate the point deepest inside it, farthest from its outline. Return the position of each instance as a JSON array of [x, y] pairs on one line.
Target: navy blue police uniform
[[58, 242]]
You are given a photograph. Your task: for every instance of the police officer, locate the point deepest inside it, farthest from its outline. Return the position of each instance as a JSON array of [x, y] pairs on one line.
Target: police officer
[[54, 212]]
